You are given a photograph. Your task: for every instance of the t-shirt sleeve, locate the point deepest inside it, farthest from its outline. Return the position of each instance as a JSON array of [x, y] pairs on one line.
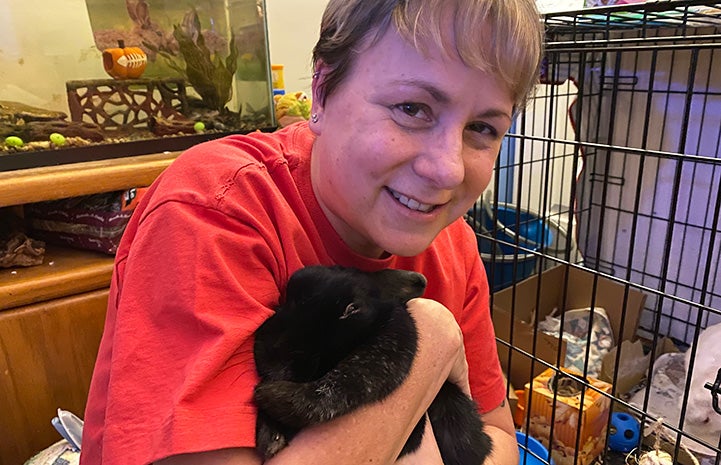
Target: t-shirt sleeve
[[196, 284], [484, 369]]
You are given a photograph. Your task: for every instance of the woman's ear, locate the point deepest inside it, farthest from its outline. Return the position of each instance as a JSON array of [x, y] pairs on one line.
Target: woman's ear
[[320, 71], [318, 92]]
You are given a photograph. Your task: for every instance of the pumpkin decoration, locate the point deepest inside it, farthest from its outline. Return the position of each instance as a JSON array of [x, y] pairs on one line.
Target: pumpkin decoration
[[124, 62]]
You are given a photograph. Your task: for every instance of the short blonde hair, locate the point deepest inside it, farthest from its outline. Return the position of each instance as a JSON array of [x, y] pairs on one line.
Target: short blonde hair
[[502, 37]]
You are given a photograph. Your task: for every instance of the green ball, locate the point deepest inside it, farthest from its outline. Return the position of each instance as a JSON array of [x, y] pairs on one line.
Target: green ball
[[199, 126], [14, 141], [57, 139]]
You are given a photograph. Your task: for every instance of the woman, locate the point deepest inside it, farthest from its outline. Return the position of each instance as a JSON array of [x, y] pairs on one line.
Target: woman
[[410, 102]]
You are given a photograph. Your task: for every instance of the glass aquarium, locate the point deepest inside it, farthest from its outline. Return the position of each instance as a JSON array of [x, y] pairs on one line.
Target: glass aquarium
[[84, 80]]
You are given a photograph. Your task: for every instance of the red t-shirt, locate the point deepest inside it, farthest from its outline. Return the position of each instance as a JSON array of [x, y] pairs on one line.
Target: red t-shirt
[[202, 263]]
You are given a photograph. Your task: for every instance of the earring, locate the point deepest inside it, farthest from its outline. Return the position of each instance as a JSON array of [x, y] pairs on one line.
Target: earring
[[316, 74], [314, 117]]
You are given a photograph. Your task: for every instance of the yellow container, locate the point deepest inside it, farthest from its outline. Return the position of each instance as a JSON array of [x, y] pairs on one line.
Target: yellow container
[[567, 411], [277, 76]]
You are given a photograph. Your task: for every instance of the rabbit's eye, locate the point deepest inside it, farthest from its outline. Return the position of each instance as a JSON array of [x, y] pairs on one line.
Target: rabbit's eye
[[350, 309]]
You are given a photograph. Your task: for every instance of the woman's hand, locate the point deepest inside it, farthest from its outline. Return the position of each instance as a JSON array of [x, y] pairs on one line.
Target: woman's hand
[[435, 323]]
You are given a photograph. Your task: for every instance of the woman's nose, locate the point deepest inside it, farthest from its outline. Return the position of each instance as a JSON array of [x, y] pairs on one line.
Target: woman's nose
[[441, 160]]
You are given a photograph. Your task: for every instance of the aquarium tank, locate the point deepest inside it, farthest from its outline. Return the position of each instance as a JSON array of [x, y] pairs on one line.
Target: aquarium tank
[[83, 80]]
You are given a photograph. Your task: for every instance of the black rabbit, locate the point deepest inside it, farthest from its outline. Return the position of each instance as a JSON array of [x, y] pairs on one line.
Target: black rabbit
[[342, 339]]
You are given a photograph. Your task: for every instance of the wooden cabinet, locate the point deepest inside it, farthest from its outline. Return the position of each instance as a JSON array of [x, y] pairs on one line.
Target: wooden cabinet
[[48, 354], [52, 315]]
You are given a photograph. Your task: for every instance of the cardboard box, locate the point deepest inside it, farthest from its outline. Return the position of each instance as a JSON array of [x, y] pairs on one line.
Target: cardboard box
[[633, 363], [574, 410], [563, 287]]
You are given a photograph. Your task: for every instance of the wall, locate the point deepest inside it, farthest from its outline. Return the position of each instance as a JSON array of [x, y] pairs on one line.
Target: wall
[[293, 30], [42, 45]]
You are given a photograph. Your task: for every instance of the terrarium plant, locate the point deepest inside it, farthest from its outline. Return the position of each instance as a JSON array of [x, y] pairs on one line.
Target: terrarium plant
[[210, 75]]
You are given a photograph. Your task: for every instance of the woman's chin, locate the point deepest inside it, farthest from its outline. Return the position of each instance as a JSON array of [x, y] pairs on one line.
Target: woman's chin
[[409, 248]]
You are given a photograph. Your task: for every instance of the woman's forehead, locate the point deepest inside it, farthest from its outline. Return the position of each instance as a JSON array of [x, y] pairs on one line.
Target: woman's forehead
[[393, 67]]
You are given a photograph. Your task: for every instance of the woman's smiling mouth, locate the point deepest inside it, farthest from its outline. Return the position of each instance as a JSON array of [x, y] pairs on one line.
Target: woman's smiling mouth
[[412, 204]]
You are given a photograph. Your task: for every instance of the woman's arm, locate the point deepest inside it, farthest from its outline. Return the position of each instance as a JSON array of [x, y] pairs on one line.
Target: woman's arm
[[427, 454], [374, 433], [499, 426]]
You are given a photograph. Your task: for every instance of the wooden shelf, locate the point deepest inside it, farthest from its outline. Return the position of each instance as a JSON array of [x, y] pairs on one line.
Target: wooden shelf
[[64, 272], [67, 271], [57, 182]]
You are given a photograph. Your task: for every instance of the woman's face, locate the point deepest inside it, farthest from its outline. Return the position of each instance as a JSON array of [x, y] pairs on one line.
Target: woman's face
[[405, 145]]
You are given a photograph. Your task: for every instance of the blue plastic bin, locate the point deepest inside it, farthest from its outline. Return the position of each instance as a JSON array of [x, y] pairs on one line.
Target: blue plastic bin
[[503, 269], [533, 446], [504, 263], [533, 233]]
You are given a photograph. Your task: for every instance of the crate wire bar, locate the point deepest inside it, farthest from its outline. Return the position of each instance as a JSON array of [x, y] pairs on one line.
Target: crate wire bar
[[619, 154]]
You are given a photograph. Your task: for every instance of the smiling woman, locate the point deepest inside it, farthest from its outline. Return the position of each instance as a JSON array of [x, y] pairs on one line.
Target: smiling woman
[[407, 119], [421, 141]]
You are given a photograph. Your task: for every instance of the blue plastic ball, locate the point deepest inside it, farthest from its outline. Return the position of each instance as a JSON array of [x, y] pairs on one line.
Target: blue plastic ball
[[625, 432]]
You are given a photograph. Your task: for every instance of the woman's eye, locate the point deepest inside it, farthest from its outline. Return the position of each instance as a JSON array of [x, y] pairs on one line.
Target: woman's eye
[[415, 110], [482, 128]]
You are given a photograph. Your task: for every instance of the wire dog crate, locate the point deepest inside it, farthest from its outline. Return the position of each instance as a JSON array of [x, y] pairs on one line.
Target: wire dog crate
[[616, 165]]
